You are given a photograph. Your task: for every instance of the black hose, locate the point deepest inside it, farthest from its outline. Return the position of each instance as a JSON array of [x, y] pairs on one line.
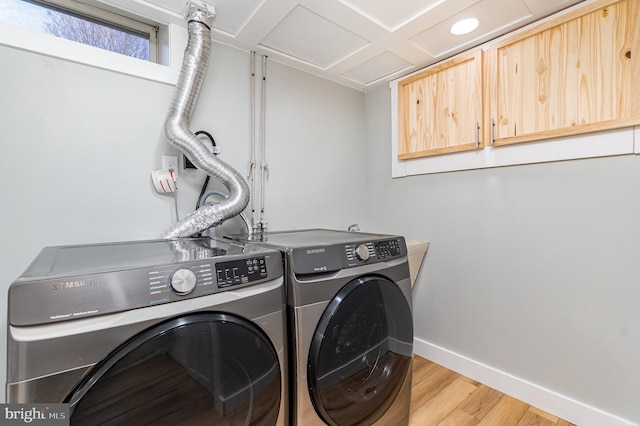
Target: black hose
[[206, 180]]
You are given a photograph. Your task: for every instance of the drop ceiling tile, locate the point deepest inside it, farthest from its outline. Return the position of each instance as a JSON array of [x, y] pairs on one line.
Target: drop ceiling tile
[[411, 53], [358, 43], [312, 38], [378, 67], [345, 17], [391, 14], [230, 14], [492, 14]]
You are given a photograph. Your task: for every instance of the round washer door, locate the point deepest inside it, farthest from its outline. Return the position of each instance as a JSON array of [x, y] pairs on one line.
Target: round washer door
[[361, 352], [205, 368]]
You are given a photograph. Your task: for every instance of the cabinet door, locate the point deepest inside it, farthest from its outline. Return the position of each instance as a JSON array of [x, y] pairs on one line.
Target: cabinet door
[[575, 74], [440, 109]]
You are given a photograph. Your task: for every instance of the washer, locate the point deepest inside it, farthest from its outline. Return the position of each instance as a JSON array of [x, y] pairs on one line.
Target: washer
[[152, 332], [350, 326]]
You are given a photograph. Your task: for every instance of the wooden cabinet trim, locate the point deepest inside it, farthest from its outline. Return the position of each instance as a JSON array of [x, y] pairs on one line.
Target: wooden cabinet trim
[[570, 131], [438, 151]]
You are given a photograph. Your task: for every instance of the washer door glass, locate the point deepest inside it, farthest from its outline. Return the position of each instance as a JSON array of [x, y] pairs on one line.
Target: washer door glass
[[207, 368], [361, 352]]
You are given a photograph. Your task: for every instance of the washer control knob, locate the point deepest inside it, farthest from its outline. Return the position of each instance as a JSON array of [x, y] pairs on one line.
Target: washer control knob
[[362, 252], [183, 281]]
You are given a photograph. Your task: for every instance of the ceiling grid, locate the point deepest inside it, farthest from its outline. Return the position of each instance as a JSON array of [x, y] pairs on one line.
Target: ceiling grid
[[364, 43]]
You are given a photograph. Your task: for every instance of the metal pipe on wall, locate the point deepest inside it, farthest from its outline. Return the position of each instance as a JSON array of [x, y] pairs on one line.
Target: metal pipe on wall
[[192, 73], [265, 167], [252, 164]]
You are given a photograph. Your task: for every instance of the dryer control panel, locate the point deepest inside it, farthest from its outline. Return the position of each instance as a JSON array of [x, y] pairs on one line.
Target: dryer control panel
[[330, 258], [379, 250]]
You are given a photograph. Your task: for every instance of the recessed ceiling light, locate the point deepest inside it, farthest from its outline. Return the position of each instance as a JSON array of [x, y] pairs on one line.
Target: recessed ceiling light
[[464, 26]]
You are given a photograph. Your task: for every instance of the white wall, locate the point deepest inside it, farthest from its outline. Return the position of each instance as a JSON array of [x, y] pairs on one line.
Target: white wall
[[79, 143], [531, 274], [532, 270]]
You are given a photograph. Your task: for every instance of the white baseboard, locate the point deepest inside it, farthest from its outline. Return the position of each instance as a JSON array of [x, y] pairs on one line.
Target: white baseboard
[[559, 405]]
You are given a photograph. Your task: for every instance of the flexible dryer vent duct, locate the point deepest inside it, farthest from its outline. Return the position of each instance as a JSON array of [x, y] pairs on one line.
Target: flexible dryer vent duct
[[194, 67]]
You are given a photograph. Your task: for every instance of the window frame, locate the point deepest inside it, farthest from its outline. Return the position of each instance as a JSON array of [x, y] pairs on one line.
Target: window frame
[[111, 19], [172, 40]]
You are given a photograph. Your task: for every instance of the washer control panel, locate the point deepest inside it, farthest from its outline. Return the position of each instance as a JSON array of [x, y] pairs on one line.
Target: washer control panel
[[166, 281], [107, 278], [183, 281], [240, 271]]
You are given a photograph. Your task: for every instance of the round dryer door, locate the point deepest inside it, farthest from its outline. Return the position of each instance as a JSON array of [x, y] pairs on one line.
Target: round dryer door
[[361, 352], [200, 369]]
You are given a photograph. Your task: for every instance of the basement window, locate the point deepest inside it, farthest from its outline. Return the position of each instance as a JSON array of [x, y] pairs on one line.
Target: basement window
[[84, 24]]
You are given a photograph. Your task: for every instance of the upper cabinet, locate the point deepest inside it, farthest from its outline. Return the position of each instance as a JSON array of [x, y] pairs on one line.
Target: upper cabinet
[[440, 109], [574, 74]]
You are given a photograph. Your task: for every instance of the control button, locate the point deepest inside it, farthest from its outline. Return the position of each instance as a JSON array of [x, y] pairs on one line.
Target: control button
[[183, 281], [362, 252]]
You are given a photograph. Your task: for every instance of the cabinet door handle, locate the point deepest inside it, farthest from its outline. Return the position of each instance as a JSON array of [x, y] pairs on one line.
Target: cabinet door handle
[[477, 135], [492, 137]]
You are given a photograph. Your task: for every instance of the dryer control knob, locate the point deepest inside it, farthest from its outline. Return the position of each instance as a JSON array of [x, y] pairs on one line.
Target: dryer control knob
[[362, 252], [183, 281]]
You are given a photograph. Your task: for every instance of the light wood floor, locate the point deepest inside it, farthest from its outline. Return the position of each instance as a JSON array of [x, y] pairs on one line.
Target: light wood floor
[[443, 397]]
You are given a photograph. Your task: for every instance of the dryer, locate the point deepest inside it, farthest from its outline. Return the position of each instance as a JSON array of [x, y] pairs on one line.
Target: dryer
[[350, 326], [188, 331]]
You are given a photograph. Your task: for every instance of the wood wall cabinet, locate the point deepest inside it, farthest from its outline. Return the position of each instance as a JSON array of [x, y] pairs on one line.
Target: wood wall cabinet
[[574, 74], [440, 109]]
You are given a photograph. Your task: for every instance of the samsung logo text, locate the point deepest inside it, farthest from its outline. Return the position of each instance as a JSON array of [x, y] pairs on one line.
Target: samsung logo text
[[74, 284], [315, 251]]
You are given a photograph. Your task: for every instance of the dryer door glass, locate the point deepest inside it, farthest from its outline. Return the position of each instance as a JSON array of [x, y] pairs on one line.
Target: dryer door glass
[[201, 369], [361, 352]]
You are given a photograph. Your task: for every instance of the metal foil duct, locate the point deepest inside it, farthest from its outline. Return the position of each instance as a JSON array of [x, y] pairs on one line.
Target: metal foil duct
[[194, 68]]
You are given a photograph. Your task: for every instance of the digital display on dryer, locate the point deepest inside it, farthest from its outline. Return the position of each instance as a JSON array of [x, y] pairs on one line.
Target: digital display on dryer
[[386, 249], [241, 271]]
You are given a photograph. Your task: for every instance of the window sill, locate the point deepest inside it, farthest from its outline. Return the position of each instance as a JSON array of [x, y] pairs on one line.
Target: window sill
[[48, 45]]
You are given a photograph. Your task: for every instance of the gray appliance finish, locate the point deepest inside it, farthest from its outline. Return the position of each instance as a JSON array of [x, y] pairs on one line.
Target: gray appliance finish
[[350, 326], [160, 331]]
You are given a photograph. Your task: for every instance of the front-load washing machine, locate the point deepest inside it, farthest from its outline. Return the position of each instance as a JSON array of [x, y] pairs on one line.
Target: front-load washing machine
[[350, 326], [161, 332]]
